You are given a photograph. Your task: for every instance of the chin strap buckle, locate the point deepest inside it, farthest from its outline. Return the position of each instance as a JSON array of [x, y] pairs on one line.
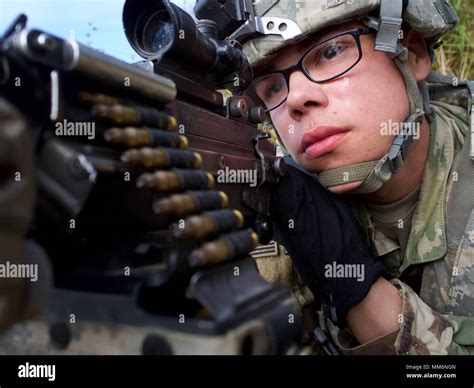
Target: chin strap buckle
[[399, 148]]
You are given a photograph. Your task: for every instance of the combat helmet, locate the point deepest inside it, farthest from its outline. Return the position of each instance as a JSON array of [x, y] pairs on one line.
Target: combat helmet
[[273, 24]]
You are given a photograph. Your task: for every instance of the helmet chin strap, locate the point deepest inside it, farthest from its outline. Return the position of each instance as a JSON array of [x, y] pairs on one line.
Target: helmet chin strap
[[375, 173]]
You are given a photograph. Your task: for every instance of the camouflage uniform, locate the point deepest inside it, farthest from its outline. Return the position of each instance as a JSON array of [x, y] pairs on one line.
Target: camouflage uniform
[[434, 321], [438, 320]]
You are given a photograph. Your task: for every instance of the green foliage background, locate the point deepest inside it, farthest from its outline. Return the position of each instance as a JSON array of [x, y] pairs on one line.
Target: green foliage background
[[456, 55]]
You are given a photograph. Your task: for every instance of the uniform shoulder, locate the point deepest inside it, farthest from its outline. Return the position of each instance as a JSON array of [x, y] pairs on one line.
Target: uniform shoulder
[[457, 119]]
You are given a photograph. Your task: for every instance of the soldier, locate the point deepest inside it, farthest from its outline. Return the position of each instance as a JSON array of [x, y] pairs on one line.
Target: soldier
[[344, 84]]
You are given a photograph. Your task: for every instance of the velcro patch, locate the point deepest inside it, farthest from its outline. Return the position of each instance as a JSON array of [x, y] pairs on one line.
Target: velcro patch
[[268, 250]]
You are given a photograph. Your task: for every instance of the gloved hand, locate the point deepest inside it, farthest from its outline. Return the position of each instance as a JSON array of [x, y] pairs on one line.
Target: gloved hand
[[324, 240]]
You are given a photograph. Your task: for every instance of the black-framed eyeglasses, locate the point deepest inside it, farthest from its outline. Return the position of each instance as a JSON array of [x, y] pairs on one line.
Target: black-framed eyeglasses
[[323, 62]]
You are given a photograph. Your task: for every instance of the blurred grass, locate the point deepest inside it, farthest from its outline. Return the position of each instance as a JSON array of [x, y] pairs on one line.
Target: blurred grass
[[456, 55]]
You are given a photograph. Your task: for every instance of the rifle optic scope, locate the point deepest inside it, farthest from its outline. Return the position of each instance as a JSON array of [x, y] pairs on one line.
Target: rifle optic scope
[[157, 29]]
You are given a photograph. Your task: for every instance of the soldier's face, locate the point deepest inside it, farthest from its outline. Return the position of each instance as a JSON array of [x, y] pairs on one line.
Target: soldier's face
[[338, 123]]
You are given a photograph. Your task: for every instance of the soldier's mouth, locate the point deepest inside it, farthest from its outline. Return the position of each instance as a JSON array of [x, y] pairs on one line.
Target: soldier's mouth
[[322, 140]]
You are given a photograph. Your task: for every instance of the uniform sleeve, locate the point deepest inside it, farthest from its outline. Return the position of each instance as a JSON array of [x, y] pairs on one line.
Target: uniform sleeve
[[276, 267], [423, 331]]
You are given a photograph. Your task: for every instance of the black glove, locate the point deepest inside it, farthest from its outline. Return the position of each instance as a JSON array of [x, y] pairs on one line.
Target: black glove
[[324, 240]]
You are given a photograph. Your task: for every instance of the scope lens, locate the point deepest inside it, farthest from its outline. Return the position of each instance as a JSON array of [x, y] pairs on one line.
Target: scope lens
[[158, 33]]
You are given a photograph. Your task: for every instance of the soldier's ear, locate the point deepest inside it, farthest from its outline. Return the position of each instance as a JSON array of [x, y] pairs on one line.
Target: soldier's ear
[[419, 61]]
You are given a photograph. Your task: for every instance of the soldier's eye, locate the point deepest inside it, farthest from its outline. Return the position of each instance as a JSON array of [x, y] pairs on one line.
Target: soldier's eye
[[337, 50], [332, 50], [273, 88]]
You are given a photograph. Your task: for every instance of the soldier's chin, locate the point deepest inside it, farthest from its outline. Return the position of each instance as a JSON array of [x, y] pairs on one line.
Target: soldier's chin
[[344, 188]]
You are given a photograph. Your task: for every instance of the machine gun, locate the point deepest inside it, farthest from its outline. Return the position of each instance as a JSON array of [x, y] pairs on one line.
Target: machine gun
[[152, 186]]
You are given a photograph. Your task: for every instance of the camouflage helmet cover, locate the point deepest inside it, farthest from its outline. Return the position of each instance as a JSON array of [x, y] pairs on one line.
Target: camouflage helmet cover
[[431, 18], [283, 22]]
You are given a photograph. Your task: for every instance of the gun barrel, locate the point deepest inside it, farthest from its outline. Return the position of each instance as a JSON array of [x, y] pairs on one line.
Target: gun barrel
[[104, 68], [70, 56]]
